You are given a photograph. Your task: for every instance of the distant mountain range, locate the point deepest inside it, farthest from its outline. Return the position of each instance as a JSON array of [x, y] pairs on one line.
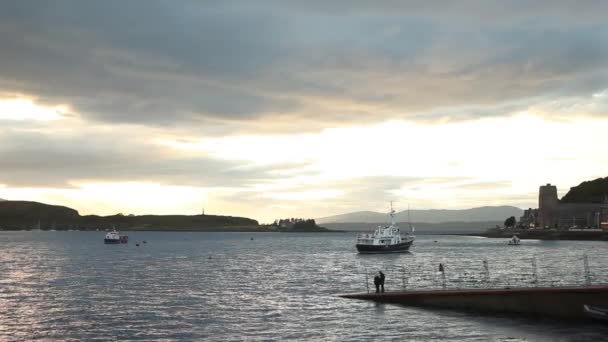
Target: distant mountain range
[[481, 214], [421, 228]]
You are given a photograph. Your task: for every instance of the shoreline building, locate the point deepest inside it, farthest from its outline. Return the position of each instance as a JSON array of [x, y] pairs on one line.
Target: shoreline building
[[529, 219], [553, 213]]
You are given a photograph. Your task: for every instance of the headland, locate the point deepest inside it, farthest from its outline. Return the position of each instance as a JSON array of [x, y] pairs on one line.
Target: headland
[[581, 214], [26, 215]]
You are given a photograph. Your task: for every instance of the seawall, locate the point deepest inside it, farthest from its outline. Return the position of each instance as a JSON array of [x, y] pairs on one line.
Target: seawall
[[556, 302], [546, 234]]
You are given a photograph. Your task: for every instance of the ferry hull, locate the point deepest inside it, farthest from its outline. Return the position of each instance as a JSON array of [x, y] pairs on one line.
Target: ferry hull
[[377, 249], [113, 240]]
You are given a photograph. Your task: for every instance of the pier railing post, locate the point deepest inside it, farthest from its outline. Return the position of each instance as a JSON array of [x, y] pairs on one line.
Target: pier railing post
[[587, 273], [486, 269], [366, 281], [444, 285], [534, 271]]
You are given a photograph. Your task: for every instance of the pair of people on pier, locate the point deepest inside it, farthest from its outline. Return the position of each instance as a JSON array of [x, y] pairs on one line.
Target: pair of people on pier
[[379, 282]]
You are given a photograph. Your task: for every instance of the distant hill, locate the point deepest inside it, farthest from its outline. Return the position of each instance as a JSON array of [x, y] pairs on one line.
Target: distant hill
[[594, 191], [481, 214], [18, 213], [422, 228], [359, 216], [167, 222], [15, 215]]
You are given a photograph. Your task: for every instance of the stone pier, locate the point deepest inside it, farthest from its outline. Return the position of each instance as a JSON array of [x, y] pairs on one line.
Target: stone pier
[[556, 302]]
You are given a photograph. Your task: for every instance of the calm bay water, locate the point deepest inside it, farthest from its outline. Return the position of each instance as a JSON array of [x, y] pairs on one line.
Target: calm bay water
[[225, 286]]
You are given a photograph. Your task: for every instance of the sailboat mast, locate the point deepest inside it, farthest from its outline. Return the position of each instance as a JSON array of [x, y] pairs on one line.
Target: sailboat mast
[[392, 215], [409, 222]]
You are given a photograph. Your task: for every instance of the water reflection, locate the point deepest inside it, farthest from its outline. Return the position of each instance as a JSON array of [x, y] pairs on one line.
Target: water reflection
[[68, 285]]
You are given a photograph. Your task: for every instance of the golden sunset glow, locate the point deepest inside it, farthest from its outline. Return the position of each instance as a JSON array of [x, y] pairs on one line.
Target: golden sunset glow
[[305, 113], [21, 109]]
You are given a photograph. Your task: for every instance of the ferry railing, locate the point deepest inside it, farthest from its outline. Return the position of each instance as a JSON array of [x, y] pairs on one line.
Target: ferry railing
[[365, 236], [535, 271]]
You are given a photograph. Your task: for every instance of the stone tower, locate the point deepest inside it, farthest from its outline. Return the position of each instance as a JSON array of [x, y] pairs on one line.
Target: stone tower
[[548, 206]]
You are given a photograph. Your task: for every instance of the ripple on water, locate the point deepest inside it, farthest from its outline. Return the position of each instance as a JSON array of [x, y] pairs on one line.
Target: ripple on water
[[69, 286]]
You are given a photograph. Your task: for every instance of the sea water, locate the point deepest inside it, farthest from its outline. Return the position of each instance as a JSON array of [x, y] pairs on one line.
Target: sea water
[[69, 286]]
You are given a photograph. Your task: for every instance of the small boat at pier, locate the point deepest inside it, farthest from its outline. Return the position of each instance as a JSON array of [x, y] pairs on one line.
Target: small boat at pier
[[114, 237], [385, 239], [515, 241], [597, 312]]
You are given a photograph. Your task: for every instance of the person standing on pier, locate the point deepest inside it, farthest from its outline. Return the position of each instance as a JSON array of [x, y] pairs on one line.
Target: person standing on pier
[[382, 277], [377, 283]]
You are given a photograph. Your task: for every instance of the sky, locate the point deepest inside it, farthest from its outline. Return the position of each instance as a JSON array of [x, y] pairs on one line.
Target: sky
[[273, 109]]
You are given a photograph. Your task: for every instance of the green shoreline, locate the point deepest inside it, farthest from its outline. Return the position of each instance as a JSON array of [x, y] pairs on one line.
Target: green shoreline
[[183, 230], [27, 215]]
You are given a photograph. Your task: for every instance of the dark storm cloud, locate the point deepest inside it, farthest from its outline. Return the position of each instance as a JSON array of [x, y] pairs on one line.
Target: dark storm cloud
[[207, 63], [137, 61]]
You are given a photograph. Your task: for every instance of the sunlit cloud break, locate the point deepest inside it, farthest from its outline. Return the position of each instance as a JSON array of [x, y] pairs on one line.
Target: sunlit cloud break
[[286, 109], [21, 109]]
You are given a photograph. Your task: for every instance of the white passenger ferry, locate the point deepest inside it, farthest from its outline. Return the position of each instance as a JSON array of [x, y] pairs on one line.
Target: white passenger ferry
[[114, 237], [386, 239]]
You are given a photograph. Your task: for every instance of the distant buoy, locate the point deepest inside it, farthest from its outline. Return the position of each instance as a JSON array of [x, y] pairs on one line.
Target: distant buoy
[[435, 241], [137, 244], [251, 239], [144, 241]]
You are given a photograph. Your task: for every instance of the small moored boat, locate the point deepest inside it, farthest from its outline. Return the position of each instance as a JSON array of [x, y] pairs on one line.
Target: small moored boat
[[597, 312], [385, 239], [114, 237], [514, 241]]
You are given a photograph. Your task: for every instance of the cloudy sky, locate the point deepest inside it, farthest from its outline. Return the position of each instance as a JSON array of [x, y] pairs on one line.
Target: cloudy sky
[[271, 109]]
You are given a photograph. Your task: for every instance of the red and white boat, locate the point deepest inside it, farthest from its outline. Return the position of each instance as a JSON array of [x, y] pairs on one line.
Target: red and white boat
[[114, 237]]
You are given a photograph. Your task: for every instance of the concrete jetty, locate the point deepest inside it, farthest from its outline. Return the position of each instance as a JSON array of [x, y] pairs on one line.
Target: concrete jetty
[[556, 302]]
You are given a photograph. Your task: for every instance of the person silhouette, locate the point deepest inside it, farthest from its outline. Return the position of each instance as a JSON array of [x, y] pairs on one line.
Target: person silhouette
[[382, 277], [377, 283]]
